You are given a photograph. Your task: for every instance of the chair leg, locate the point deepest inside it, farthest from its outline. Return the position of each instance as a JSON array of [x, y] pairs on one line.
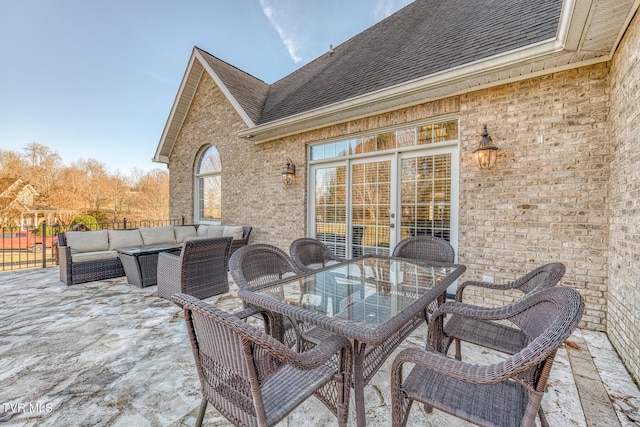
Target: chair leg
[[203, 409], [543, 418], [458, 350]]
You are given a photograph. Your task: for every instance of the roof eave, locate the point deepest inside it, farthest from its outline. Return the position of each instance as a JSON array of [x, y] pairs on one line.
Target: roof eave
[[486, 72], [405, 94], [176, 117]]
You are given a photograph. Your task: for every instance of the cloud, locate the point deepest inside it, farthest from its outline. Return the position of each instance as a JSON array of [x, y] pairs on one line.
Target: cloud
[[384, 8], [279, 20], [157, 76]]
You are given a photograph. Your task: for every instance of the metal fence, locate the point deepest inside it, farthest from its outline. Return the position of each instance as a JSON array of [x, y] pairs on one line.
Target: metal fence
[[36, 247]]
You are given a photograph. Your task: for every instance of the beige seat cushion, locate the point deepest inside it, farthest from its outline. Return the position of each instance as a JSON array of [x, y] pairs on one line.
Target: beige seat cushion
[[203, 230], [124, 239], [234, 231], [182, 232], [215, 231], [93, 256], [157, 235], [87, 241]]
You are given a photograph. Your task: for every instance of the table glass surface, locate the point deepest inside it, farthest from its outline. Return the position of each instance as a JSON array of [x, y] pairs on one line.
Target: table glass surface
[[367, 291], [148, 249]]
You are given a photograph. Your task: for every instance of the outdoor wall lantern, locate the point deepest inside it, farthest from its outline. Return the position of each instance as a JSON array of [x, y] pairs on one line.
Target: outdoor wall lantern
[[486, 153], [288, 172]]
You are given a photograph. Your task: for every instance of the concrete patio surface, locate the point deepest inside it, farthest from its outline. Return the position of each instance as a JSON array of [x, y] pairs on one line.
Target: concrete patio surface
[[109, 354]]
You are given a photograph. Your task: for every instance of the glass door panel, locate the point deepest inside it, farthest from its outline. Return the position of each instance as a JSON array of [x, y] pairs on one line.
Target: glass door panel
[[371, 208], [331, 208], [425, 199]]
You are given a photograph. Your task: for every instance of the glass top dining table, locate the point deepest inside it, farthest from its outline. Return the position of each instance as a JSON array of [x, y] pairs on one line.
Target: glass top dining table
[[374, 301]]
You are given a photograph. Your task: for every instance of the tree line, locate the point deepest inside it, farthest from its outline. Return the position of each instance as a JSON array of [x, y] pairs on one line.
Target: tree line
[[86, 187]]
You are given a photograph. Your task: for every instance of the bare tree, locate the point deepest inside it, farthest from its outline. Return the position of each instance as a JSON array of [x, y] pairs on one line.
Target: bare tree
[[151, 195], [43, 167], [11, 164]]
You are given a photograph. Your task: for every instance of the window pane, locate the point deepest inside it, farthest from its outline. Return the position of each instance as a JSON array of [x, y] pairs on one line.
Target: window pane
[[210, 162], [210, 198]]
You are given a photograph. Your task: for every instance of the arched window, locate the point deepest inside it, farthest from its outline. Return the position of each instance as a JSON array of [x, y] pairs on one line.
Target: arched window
[[208, 178]]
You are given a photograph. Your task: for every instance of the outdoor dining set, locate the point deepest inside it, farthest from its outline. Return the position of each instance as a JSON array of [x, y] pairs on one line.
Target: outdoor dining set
[[313, 323]]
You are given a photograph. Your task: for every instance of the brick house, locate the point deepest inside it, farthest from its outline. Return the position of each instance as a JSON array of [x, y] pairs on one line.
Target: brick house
[[19, 205], [382, 129]]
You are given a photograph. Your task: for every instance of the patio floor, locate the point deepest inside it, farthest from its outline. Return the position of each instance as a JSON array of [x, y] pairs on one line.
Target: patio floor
[[109, 354]]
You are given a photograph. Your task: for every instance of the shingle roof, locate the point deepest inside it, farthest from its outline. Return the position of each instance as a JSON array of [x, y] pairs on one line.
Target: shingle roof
[[424, 38], [249, 91]]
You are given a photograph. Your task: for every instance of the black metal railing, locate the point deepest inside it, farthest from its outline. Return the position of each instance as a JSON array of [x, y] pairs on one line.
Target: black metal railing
[[34, 247]]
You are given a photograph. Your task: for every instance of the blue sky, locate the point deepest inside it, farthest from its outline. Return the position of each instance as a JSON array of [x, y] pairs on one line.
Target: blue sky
[[97, 79]]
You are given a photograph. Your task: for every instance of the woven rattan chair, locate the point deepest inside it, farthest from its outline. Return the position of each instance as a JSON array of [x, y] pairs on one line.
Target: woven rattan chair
[[507, 393], [311, 254], [425, 248], [200, 270], [498, 336], [254, 380], [259, 264]]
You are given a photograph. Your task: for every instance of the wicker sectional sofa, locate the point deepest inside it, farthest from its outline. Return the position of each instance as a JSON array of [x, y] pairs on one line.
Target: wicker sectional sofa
[[86, 256]]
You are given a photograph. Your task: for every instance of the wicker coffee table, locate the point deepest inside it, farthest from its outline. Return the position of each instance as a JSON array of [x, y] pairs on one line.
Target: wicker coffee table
[[140, 263]]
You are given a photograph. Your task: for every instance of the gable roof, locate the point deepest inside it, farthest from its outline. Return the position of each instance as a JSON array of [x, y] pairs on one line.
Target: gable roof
[[428, 50], [245, 92], [424, 38]]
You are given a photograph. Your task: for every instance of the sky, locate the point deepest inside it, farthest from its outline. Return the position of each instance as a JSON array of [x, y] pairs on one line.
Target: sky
[[97, 79]]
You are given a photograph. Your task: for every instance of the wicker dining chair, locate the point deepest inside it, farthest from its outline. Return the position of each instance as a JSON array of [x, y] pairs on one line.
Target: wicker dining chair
[[251, 378], [494, 335], [425, 248], [311, 254], [260, 264], [507, 393], [200, 270]]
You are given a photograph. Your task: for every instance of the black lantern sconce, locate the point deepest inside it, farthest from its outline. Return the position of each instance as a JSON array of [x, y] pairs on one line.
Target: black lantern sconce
[[486, 153], [288, 172]]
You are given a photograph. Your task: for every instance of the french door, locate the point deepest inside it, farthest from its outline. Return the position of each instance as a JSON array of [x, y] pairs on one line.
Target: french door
[[366, 205]]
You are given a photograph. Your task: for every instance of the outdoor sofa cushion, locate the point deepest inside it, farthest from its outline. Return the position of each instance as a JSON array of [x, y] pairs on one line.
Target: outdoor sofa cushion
[[234, 231], [88, 241], [183, 232], [93, 256], [215, 231], [157, 235], [124, 239]]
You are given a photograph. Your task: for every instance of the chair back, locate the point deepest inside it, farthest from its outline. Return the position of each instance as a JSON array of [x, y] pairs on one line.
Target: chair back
[[548, 318], [310, 254], [425, 248], [205, 261], [508, 392], [230, 367], [545, 276], [259, 264]]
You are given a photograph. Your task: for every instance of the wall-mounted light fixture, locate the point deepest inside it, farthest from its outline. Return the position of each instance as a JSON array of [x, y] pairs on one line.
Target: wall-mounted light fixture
[[486, 153], [288, 172]]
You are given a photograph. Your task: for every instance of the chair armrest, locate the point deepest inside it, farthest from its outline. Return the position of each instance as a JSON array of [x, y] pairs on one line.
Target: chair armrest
[[450, 367], [469, 311], [486, 285], [311, 359]]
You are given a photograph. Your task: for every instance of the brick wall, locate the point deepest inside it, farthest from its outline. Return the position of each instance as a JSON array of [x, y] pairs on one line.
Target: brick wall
[[624, 264], [543, 202], [253, 193]]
